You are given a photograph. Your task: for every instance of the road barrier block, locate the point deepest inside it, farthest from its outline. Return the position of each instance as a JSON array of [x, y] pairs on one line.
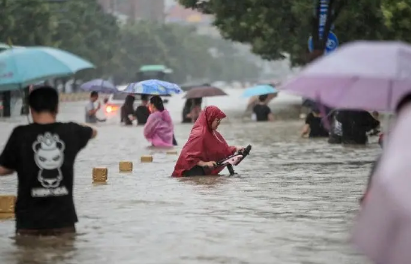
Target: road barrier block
[[100, 175], [147, 158], [125, 166], [7, 205]]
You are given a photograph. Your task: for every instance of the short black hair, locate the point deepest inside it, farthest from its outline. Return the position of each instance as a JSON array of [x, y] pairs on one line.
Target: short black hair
[[44, 99], [315, 109], [263, 97], [93, 94], [144, 97], [406, 99]]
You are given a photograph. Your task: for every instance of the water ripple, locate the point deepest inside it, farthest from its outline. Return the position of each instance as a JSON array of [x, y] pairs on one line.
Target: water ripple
[[293, 201]]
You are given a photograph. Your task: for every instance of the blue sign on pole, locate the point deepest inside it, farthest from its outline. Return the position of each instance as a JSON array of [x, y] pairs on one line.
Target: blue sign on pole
[[331, 45], [332, 40], [322, 17]]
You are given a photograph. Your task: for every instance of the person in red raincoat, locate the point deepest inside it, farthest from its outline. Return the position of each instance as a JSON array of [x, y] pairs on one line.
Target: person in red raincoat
[[204, 147]]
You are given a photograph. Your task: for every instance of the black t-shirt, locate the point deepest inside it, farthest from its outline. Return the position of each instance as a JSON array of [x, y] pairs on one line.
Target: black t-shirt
[[186, 111], [142, 113], [355, 125], [43, 157], [261, 111], [316, 126], [125, 112]]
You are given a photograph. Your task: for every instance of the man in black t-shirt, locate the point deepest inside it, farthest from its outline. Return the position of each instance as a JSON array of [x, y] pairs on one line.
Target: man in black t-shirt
[[261, 111], [43, 155], [313, 126]]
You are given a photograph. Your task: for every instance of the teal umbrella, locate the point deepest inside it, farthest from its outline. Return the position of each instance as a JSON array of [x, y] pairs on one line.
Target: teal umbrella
[[22, 67], [259, 90]]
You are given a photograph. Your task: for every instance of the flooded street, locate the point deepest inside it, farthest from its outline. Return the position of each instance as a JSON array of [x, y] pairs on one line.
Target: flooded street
[[293, 201]]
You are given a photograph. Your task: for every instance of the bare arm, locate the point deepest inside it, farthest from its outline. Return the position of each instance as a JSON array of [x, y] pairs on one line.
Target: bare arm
[[271, 117], [5, 171], [306, 130], [306, 127], [94, 111], [206, 164], [201, 163]]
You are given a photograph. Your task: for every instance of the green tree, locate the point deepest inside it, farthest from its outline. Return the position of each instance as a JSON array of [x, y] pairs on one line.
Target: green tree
[[180, 48], [397, 19], [26, 22], [84, 29], [274, 28], [140, 44]]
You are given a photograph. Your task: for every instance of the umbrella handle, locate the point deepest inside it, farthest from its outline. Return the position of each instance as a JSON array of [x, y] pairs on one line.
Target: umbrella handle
[[324, 120]]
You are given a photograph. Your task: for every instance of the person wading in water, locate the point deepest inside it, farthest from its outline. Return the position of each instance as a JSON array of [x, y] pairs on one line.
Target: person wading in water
[[142, 111], [43, 155]]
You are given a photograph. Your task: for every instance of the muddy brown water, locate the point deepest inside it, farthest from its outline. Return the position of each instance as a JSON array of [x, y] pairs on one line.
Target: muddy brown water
[[293, 201]]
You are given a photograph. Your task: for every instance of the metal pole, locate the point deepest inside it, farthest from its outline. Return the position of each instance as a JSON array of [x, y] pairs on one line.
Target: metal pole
[[7, 104], [25, 107]]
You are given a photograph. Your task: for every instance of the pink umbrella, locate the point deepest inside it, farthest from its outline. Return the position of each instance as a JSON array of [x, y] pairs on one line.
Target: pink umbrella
[[383, 229], [360, 75]]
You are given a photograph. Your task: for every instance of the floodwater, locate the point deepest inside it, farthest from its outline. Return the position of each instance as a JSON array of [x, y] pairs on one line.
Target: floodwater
[[293, 201]]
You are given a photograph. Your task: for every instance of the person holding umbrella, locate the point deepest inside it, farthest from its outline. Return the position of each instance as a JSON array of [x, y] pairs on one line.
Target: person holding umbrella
[[186, 111], [261, 111], [156, 88], [195, 109], [159, 129], [91, 110], [263, 93], [127, 111]]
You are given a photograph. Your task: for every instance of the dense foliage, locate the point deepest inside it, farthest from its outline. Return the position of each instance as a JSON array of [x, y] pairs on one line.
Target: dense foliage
[[81, 27], [274, 28]]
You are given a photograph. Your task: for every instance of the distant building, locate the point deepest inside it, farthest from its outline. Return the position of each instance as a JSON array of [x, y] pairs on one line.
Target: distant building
[[180, 15], [152, 10]]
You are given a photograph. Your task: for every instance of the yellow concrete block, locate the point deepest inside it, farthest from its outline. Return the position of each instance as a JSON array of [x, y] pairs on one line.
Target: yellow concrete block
[[125, 166], [100, 175], [172, 152], [7, 203], [147, 158]]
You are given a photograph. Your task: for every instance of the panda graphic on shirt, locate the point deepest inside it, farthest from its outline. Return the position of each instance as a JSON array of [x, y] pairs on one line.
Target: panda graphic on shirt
[[49, 157]]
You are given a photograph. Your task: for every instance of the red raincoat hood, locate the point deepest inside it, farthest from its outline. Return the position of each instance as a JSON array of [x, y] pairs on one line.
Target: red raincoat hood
[[207, 116], [204, 144]]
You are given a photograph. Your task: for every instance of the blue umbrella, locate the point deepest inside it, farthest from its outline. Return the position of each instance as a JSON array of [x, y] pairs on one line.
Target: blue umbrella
[[259, 90], [153, 87], [99, 85], [22, 67]]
